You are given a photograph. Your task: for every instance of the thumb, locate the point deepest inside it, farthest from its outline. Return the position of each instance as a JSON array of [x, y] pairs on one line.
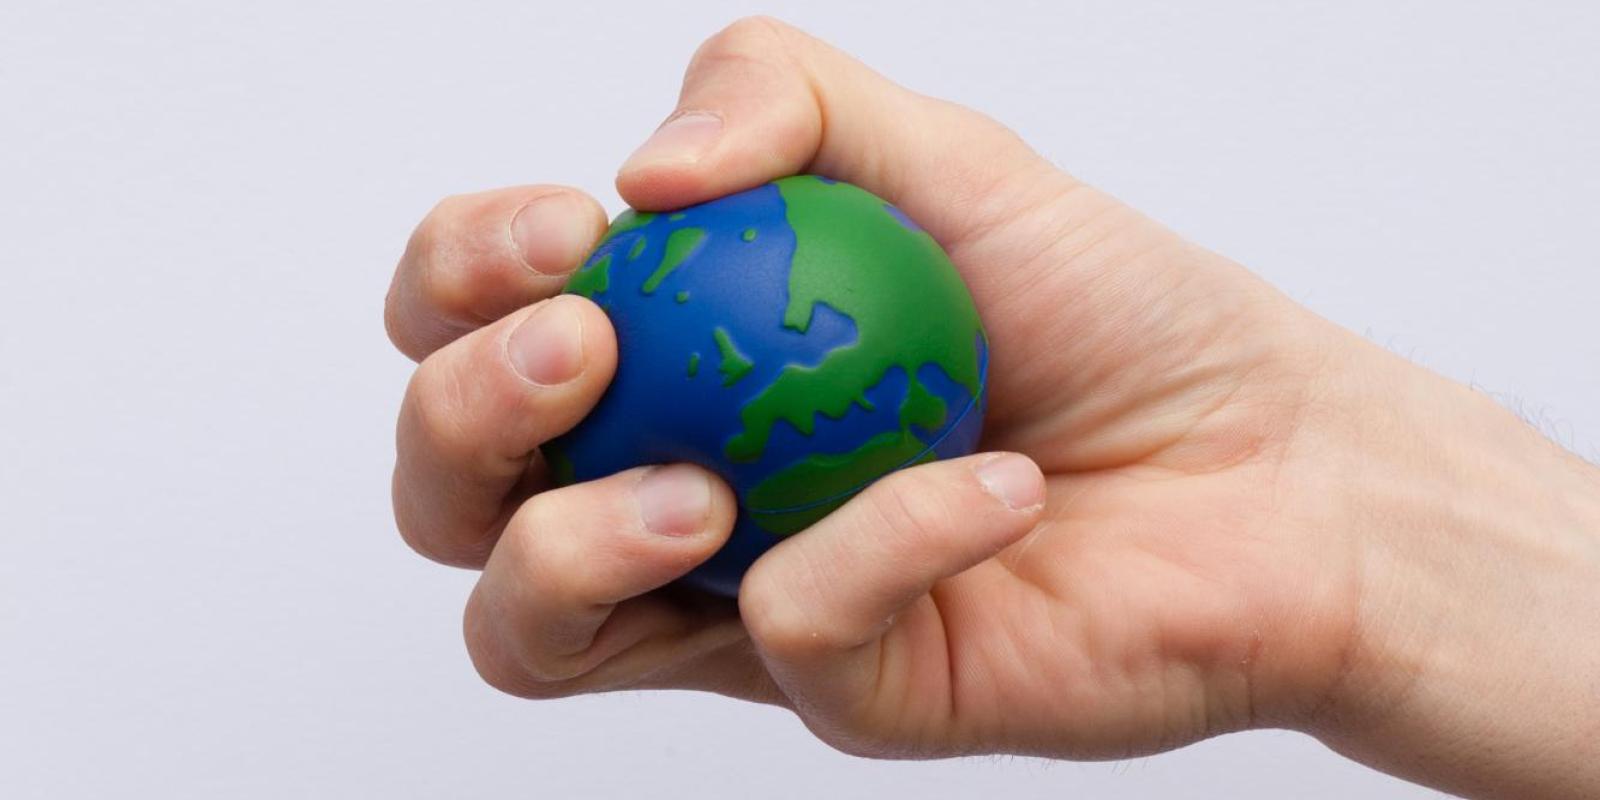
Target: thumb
[[819, 606], [762, 100]]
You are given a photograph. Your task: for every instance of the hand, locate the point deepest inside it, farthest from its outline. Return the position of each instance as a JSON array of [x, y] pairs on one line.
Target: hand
[[1198, 514]]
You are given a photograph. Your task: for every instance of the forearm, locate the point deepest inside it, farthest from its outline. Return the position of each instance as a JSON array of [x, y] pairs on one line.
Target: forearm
[[1477, 663]]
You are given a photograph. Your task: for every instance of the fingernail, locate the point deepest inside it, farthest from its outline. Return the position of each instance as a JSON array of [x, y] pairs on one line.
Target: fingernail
[[547, 348], [683, 139], [673, 500], [548, 235], [1013, 479]]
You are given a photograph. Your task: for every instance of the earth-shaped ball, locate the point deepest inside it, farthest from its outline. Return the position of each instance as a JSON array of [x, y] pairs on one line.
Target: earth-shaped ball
[[801, 339]]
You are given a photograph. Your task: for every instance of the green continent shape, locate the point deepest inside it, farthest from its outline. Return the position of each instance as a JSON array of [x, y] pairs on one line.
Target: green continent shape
[[680, 245], [779, 504], [783, 523], [908, 303], [881, 454], [694, 364], [827, 475], [593, 279], [732, 364], [922, 408], [626, 221]]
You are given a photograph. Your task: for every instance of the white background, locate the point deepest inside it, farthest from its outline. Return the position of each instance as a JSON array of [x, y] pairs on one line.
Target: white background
[[201, 594]]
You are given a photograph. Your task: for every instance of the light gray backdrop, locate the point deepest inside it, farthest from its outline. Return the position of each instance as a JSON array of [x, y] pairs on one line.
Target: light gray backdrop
[[201, 594]]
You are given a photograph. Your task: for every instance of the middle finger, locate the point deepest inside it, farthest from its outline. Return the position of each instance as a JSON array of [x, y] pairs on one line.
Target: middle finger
[[476, 410]]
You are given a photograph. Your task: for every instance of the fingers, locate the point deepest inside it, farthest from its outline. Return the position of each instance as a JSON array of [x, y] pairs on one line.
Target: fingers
[[818, 605], [475, 411], [477, 257], [761, 100], [558, 609]]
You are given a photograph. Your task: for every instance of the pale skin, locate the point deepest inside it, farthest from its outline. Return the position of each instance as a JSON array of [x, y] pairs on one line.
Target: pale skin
[[1200, 507]]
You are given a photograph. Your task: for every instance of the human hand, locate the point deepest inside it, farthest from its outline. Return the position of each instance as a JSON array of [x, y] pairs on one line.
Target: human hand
[[1203, 517]]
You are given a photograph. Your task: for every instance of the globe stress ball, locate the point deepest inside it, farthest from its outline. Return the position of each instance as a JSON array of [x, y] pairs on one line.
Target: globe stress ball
[[800, 339]]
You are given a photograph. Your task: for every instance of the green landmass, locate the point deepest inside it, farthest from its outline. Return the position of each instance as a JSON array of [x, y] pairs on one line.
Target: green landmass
[[626, 221], [909, 310], [593, 279], [783, 523], [680, 245], [773, 501], [831, 474], [731, 363]]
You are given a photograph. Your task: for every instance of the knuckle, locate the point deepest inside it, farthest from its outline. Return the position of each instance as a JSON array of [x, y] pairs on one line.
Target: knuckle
[[504, 669], [426, 240], [428, 303], [446, 279], [440, 416], [395, 328], [781, 626], [872, 738], [857, 740], [488, 657], [545, 669], [510, 657], [750, 40], [534, 553], [755, 31], [440, 546], [441, 222], [908, 505], [416, 320], [433, 540], [545, 552], [445, 291]]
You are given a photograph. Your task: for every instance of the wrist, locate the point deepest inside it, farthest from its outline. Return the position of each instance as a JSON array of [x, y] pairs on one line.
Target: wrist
[[1474, 663]]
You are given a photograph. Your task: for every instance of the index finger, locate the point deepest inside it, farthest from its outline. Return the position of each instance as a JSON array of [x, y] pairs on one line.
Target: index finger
[[477, 257], [475, 412]]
